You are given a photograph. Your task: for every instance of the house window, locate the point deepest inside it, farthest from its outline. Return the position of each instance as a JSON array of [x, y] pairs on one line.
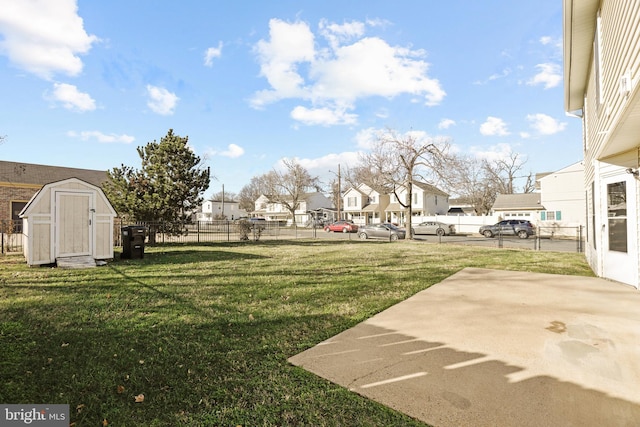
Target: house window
[[436, 197], [374, 198], [617, 216], [415, 198], [352, 202], [551, 216]]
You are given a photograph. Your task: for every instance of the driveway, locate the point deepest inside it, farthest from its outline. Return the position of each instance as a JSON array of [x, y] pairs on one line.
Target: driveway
[[497, 348]]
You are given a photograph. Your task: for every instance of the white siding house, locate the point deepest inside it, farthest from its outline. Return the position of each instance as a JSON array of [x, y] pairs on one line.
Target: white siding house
[[364, 205], [274, 211], [217, 209], [601, 75], [427, 200], [562, 197]]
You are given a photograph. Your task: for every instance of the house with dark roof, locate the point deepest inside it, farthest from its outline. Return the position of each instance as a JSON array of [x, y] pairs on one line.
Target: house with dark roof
[[20, 181], [518, 206]]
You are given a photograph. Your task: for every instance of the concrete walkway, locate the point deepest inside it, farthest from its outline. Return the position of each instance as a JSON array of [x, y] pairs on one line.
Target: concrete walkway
[[497, 348]]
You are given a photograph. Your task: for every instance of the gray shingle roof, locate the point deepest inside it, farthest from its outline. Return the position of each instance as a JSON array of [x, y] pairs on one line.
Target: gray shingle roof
[[27, 173], [526, 201]]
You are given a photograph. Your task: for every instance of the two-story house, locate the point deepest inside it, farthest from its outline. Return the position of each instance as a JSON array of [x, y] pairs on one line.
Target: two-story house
[[601, 75], [363, 205], [426, 200], [274, 211], [219, 209]]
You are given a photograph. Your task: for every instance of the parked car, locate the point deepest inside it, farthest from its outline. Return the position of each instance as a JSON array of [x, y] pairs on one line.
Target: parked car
[[514, 227], [342, 225], [385, 231], [259, 223], [434, 227]]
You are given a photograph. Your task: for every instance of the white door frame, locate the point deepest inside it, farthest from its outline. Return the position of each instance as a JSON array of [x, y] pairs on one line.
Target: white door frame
[[60, 228], [619, 265]]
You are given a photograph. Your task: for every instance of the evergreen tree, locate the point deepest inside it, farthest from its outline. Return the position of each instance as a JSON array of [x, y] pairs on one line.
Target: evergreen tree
[[168, 187]]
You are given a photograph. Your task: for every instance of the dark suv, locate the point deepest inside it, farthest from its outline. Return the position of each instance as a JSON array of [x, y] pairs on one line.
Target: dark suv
[[514, 227]]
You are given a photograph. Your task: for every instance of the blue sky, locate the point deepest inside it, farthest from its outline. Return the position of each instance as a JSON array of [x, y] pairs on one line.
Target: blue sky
[[84, 83]]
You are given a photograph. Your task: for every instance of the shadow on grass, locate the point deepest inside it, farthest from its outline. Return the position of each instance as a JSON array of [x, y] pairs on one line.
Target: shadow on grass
[[211, 370]]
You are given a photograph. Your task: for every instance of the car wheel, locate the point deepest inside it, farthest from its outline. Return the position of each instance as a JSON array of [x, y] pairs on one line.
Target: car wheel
[[394, 237], [440, 232], [487, 233], [344, 230], [363, 236], [523, 234], [327, 229]]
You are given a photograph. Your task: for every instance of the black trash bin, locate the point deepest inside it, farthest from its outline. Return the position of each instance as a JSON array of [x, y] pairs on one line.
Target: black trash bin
[[133, 241]]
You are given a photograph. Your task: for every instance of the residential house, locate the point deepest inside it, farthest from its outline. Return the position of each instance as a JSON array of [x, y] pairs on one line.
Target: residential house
[[427, 200], [219, 209], [518, 206], [273, 211], [363, 205], [20, 181], [563, 200], [601, 75]]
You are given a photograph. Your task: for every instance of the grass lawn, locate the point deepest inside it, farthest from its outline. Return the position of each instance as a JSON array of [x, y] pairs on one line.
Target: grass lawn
[[204, 332]]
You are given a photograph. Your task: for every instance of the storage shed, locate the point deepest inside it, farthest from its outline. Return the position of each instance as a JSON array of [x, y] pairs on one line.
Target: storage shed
[[68, 218]]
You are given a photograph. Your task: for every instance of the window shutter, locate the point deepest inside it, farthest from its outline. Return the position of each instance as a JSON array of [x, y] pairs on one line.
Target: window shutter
[[543, 216], [558, 215]]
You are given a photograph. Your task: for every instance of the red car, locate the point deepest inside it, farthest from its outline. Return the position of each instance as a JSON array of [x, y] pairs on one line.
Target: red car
[[344, 226]]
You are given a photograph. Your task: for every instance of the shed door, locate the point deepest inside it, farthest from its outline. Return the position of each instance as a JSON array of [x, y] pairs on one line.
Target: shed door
[[73, 224]]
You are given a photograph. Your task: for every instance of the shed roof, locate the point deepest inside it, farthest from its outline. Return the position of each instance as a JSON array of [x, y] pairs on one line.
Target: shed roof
[[34, 199], [526, 201], [18, 173]]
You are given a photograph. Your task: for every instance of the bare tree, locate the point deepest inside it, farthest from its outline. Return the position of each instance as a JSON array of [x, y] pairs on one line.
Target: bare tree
[[396, 161], [480, 181], [290, 186], [504, 171], [250, 192]]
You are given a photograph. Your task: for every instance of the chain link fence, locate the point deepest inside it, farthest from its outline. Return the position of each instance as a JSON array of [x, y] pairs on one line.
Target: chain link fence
[[11, 236]]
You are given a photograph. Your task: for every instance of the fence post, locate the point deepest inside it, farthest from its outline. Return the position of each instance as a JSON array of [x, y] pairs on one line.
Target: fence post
[[580, 239]]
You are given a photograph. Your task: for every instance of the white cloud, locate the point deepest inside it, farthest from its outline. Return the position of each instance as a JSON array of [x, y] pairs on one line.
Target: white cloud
[[211, 53], [102, 137], [161, 101], [44, 37], [350, 68], [494, 126], [326, 167], [495, 152], [366, 138], [323, 116], [71, 98], [233, 151], [550, 76], [494, 76], [545, 125], [446, 123]]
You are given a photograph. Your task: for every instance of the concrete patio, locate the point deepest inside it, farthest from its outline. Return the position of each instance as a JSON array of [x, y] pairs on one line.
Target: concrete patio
[[497, 348]]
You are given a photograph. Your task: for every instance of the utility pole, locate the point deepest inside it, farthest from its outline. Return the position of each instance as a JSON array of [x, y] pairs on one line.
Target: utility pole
[[222, 200], [339, 192]]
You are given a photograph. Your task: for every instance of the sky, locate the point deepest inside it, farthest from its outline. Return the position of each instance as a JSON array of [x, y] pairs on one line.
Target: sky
[[84, 83]]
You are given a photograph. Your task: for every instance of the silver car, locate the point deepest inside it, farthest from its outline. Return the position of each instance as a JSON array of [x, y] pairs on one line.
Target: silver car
[[381, 231], [434, 227]]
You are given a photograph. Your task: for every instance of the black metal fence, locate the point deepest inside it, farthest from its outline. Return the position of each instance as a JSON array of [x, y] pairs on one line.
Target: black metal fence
[[219, 231], [565, 239]]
